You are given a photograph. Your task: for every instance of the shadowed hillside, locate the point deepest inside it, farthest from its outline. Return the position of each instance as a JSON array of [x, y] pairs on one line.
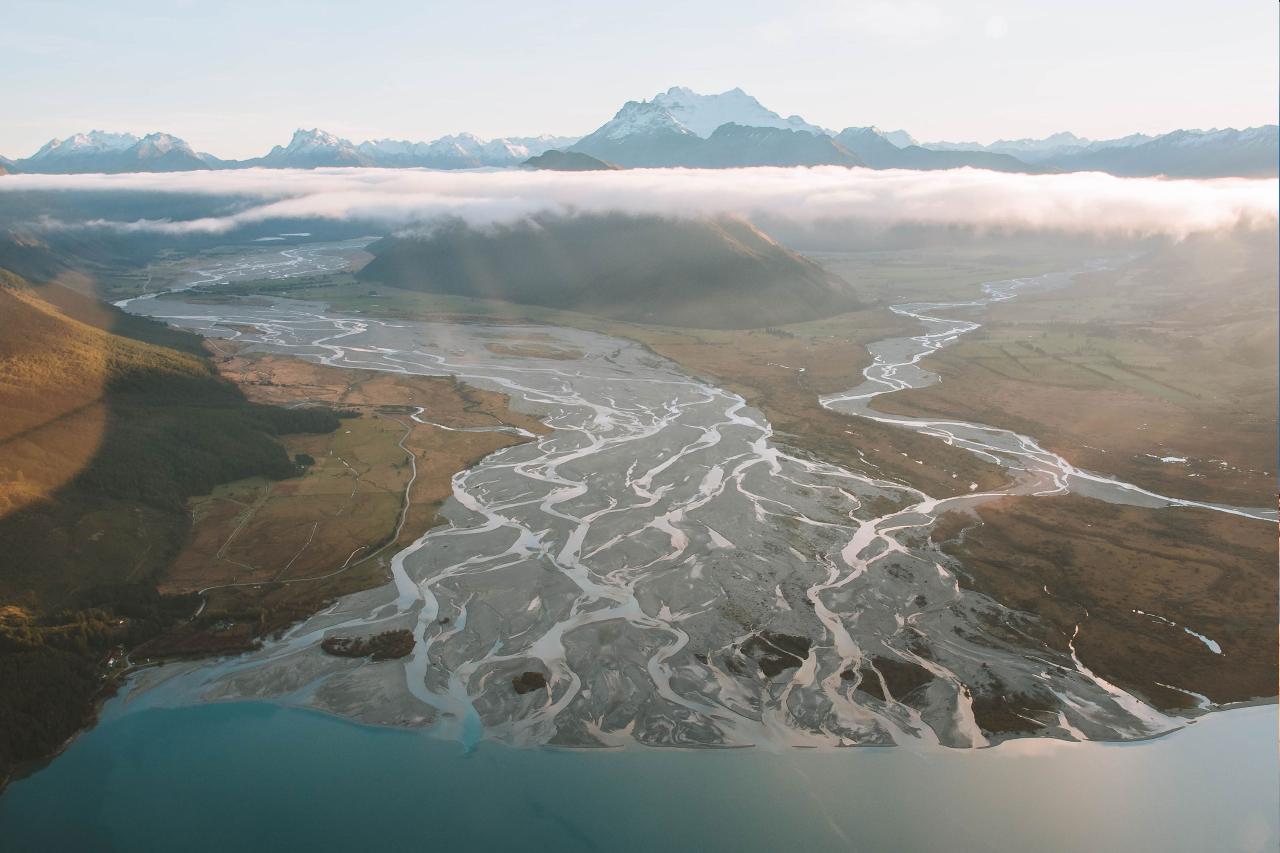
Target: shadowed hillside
[[568, 161], [102, 439], [722, 273]]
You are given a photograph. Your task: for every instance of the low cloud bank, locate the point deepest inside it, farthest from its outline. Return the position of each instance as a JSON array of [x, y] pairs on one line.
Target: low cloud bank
[[1086, 203]]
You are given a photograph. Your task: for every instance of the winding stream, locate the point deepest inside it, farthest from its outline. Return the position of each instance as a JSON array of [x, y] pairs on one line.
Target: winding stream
[[677, 577], [895, 367]]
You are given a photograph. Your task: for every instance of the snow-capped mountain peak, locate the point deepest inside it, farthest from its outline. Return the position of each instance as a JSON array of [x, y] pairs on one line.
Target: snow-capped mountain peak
[[460, 150], [159, 144], [93, 142], [642, 118], [99, 151], [314, 139], [1061, 139], [393, 147], [702, 114]]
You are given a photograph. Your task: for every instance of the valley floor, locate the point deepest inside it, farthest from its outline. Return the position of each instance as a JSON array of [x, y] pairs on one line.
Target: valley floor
[[1117, 372], [265, 554]]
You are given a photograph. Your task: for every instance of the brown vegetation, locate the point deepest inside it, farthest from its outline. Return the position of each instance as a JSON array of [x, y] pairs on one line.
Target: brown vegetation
[[527, 682], [774, 652], [275, 552], [1170, 358], [1077, 561], [107, 424], [901, 676]]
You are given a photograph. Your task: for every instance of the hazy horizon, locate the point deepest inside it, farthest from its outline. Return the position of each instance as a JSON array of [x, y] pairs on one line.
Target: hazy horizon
[[236, 80]]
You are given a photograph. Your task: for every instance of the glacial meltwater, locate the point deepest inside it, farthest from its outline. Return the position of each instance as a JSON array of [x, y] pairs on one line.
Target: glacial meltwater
[[260, 776], [704, 606]]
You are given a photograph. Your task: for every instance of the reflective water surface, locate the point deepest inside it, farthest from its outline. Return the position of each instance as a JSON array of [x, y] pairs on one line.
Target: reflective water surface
[[258, 776]]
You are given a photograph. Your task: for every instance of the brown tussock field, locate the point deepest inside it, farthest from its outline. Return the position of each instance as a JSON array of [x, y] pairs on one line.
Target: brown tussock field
[[1100, 563], [274, 552], [1161, 373]]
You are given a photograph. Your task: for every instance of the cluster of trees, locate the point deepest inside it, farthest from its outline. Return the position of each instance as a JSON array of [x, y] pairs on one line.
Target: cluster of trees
[[53, 666], [388, 645]]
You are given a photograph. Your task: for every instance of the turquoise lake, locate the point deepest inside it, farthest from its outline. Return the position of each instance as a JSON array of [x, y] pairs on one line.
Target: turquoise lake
[[259, 776]]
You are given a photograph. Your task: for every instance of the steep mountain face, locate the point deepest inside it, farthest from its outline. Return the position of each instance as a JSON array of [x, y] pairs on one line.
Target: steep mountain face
[[874, 149], [646, 133], [1252, 152], [900, 138], [702, 114], [568, 161], [704, 273], [310, 149], [94, 142], [678, 128], [98, 151], [160, 152], [642, 133], [735, 145], [1186, 154], [871, 146]]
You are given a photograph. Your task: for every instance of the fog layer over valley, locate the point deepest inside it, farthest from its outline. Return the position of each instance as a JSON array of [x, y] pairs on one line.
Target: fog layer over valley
[[1082, 203]]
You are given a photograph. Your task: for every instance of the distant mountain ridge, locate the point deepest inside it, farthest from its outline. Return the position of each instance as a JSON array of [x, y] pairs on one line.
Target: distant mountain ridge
[[683, 128], [877, 151], [568, 161], [98, 151], [647, 134], [1251, 152]]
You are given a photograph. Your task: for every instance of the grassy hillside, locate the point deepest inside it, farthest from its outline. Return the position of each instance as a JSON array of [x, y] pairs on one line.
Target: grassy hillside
[[1160, 371], [721, 273], [102, 439]]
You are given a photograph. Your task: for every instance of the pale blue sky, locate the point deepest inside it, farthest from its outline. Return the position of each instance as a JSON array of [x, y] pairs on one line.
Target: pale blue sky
[[235, 78]]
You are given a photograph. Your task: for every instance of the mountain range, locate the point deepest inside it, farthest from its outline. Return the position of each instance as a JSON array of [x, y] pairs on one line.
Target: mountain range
[[99, 151], [1251, 152], [680, 127]]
